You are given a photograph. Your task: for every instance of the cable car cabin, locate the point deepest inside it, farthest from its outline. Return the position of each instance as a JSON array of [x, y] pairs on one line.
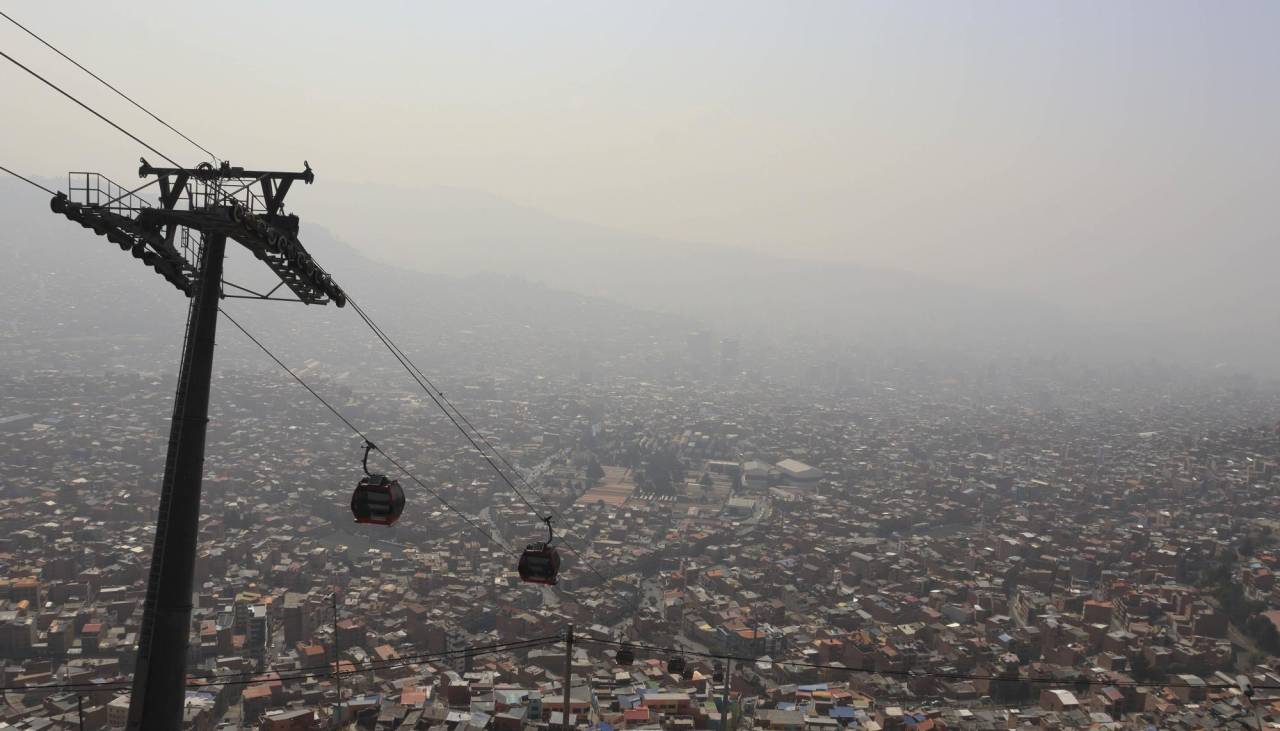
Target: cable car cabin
[[675, 665], [625, 655], [377, 500], [539, 564]]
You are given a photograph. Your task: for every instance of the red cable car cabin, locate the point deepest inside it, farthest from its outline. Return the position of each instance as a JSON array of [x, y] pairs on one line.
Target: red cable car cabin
[[539, 564], [625, 655], [377, 500]]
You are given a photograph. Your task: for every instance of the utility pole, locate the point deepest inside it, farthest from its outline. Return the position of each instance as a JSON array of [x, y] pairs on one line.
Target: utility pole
[[218, 203], [568, 677], [337, 661], [80, 710], [724, 702], [1246, 687]]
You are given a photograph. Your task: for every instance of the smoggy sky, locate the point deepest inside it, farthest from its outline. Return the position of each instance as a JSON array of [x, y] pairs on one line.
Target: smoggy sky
[[1035, 145]]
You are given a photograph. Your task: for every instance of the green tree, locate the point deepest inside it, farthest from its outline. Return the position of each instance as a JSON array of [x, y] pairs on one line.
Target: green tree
[[1263, 631], [664, 471], [1008, 688], [1143, 671], [595, 473]]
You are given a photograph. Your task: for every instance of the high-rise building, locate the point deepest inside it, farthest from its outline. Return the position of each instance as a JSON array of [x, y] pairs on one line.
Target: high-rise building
[[456, 641], [257, 633], [17, 634], [293, 617]]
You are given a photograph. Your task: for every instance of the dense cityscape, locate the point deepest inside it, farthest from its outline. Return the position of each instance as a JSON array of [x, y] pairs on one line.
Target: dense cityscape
[[892, 550], [639, 366]]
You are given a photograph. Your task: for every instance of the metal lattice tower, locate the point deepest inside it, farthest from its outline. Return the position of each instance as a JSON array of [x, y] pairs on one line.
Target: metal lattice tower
[[219, 203]]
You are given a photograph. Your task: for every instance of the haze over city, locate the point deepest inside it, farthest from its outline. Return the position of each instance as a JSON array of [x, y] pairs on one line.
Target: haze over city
[[1113, 163], [832, 366]]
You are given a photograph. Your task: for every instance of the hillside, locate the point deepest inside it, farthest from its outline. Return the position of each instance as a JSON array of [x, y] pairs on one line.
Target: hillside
[[73, 300]]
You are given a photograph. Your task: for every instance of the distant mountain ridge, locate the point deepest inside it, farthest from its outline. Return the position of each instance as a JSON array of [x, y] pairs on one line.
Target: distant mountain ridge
[[73, 299], [777, 300], [734, 290], [450, 251]]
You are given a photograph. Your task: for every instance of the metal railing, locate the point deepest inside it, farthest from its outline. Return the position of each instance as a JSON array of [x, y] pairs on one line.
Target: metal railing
[[207, 194], [96, 189]]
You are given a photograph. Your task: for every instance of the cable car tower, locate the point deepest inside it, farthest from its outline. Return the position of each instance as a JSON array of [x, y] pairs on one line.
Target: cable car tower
[[217, 203]]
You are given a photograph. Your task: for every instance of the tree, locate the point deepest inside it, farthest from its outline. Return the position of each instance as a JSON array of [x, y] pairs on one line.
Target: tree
[[1143, 671], [664, 471], [1263, 631], [595, 473], [1009, 688]]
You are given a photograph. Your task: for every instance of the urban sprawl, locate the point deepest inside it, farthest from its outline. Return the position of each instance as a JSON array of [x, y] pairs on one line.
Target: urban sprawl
[[884, 551]]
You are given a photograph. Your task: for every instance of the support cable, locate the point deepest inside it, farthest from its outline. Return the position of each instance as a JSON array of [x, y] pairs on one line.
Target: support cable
[[443, 501], [441, 401], [103, 81], [534, 643], [426, 383], [396, 352], [88, 108], [437, 396], [27, 180]]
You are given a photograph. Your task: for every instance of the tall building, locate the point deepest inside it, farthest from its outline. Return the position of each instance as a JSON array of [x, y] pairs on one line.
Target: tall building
[[17, 634], [293, 617], [257, 633], [456, 641], [118, 711]]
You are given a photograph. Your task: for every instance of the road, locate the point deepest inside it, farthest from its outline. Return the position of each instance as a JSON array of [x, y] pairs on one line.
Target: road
[[1247, 646], [688, 644]]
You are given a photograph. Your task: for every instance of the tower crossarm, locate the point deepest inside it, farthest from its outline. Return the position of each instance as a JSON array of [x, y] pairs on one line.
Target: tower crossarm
[[214, 201], [271, 239]]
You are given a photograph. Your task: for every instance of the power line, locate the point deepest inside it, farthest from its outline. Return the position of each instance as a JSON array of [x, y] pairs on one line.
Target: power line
[[369, 665], [103, 81], [361, 434], [88, 108], [438, 398], [912, 673], [326, 670], [27, 180]]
